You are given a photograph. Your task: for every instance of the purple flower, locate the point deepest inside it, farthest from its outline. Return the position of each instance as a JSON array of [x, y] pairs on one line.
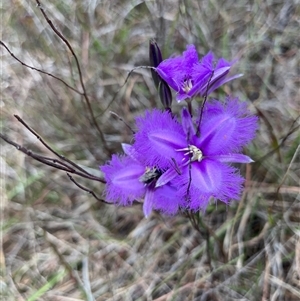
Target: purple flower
[[196, 159], [128, 180], [189, 77]]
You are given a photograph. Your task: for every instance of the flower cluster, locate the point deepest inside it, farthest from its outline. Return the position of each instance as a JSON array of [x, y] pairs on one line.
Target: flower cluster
[[182, 163], [190, 77]]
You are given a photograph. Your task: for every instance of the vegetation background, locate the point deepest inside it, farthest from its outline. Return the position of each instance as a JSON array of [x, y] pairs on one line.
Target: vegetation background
[[57, 241]]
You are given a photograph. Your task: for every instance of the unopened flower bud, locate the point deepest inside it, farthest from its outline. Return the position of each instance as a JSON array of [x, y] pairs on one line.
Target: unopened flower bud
[[155, 59], [165, 94]]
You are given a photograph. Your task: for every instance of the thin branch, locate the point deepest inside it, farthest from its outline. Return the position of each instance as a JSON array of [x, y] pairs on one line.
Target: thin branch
[[126, 80], [80, 75], [87, 190], [51, 161], [136, 68], [122, 120], [33, 155], [93, 194], [48, 147], [39, 70]]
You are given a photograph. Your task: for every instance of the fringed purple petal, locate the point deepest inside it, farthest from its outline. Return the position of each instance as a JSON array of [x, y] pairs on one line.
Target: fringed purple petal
[[202, 73], [174, 70], [159, 135], [207, 61], [208, 179], [122, 176], [166, 200], [168, 70], [190, 58], [216, 135], [224, 63], [226, 128]]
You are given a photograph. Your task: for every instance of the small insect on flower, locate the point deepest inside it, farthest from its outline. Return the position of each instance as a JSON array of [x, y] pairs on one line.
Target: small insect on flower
[[150, 175]]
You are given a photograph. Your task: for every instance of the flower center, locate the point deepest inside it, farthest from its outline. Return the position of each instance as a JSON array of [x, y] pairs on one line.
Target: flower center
[[187, 85], [149, 175], [193, 151]]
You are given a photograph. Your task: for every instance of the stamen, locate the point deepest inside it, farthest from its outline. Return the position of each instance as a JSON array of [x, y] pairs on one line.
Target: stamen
[[193, 150], [187, 85]]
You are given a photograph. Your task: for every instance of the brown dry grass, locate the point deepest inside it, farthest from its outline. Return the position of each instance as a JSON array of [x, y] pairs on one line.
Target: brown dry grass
[[58, 242]]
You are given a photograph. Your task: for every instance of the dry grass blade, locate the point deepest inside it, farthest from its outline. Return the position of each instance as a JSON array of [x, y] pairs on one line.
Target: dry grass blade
[[59, 238]]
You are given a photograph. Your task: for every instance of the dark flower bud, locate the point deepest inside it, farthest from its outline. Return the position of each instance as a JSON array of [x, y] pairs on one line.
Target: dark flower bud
[[165, 94], [155, 59]]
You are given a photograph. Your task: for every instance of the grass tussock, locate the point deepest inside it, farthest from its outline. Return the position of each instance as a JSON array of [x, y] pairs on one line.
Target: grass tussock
[[58, 242]]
